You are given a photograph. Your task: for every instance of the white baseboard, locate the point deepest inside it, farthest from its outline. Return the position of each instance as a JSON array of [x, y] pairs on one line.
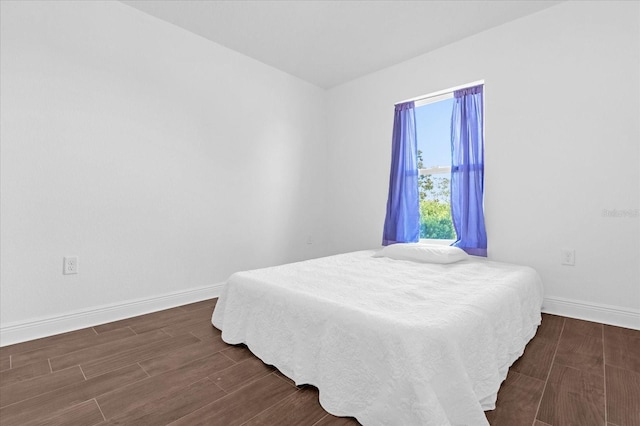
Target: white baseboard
[[606, 314], [43, 327]]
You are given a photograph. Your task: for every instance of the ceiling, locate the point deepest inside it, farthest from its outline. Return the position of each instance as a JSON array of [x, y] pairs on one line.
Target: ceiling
[[328, 43]]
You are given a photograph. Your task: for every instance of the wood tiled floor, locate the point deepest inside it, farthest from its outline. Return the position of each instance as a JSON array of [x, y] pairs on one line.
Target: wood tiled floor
[[171, 367]]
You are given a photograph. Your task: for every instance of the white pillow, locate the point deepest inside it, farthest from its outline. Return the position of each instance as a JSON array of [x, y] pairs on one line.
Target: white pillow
[[420, 252]]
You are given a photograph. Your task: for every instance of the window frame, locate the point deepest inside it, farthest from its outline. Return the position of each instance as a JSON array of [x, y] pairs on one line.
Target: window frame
[[436, 97]]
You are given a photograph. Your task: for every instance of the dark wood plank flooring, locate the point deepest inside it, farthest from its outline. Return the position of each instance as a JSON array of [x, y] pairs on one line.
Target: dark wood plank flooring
[[172, 367]]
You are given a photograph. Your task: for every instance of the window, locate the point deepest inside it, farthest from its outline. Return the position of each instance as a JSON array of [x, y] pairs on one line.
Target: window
[[433, 131], [409, 188]]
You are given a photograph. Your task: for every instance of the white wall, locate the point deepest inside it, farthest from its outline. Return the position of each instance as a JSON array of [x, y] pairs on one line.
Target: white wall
[[167, 162], [164, 161], [562, 121]]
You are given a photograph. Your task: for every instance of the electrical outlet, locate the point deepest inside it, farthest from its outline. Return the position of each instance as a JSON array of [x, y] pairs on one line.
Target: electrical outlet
[[568, 257], [70, 265]]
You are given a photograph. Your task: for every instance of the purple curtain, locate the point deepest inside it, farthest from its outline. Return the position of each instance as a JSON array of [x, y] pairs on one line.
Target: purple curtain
[[402, 222], [467, 171]]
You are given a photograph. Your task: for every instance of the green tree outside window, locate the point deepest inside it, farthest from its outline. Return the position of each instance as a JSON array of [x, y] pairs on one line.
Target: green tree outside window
[[435, 207]]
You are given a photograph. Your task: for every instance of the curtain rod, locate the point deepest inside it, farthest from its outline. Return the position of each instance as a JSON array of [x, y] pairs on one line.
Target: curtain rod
[[442, 92]]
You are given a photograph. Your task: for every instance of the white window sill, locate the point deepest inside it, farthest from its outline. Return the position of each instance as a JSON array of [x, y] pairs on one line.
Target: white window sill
[[434, 241]]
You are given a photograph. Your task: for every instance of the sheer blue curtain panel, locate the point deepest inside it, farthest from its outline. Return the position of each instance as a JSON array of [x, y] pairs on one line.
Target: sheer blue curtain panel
[[402, 221], [467, 170]]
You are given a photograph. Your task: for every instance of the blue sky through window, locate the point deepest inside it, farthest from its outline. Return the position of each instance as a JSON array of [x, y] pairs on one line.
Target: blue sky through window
[[433, 130]]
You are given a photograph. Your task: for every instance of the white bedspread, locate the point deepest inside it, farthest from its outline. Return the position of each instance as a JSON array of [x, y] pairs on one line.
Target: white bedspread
[[388, 342]]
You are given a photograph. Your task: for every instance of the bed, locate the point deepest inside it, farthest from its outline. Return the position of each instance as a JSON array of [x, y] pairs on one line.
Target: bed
[[385, 340]]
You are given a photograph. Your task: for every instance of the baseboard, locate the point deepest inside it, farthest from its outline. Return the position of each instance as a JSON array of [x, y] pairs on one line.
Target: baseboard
[[44, 327], [606, 314]]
